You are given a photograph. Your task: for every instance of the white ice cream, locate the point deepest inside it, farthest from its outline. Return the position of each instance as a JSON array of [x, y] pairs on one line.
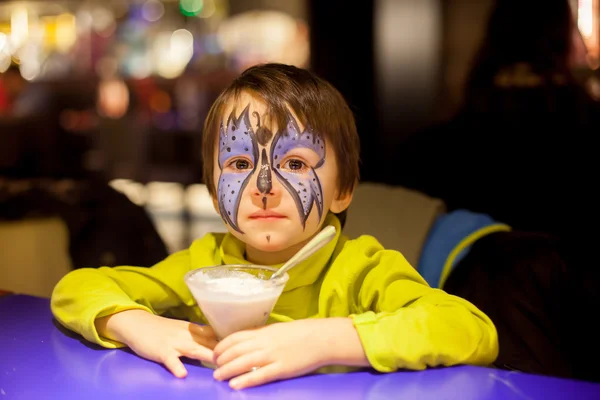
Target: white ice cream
[[234, 300]]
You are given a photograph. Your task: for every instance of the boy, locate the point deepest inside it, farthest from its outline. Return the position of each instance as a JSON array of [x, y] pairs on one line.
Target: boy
[[280, 154]]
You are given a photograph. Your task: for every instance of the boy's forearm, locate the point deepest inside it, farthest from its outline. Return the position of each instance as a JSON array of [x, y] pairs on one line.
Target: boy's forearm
[[342, 344], [116, 326]]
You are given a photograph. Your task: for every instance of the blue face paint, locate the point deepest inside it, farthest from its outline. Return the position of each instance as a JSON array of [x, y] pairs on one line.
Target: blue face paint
[[239, 150], [236, 140], [304, 188]]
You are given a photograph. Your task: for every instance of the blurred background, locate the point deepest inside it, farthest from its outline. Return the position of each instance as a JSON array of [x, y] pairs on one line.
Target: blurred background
[[489, 106], [116, 91]]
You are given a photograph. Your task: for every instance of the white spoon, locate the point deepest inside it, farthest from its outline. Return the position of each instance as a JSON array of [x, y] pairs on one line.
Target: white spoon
[[316, 243]]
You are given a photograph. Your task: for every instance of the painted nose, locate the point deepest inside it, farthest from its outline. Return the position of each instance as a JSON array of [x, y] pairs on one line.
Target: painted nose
[[264, 183]]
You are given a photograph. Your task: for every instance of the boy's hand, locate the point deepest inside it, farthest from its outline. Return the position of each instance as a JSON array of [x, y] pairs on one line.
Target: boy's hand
[[159, 339], [286, 350]]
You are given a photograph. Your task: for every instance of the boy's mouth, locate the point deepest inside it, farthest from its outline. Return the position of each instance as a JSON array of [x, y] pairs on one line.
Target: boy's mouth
[[266, 214]]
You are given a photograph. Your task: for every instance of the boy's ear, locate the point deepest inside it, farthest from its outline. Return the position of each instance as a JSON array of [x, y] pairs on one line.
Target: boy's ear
[[341, 203]]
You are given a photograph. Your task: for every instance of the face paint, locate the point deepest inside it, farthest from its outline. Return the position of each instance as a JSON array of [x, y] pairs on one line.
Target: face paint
[[305, 189], [263, 134], [263, 183], [236, 140]]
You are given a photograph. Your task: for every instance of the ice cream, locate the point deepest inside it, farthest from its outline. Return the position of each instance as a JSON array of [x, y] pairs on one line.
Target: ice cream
[[235, 297]]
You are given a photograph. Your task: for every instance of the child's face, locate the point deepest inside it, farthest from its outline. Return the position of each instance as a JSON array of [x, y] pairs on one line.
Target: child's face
[[274, 186]]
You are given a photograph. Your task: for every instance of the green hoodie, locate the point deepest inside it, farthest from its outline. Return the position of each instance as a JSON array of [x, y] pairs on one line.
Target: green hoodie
[[402, 322]]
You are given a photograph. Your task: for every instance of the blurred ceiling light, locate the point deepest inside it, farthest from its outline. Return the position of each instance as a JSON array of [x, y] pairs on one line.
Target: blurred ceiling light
[[113, 98], [5, 60], [153, 10], [262, 36], [182, 40], [19, 26], [172, 52], [66, 32], [103, 21], [36, 29], [138, 66], [84, 21], [29, 56], [50, 35], [587, 22], [585, 18], [191, 7], [30, 70]]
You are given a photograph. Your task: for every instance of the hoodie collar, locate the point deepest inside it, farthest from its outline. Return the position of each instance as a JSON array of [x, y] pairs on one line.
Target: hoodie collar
[[306, 273]]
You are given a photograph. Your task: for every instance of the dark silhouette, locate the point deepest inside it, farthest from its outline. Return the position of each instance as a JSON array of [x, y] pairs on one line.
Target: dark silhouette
[[520, 149]]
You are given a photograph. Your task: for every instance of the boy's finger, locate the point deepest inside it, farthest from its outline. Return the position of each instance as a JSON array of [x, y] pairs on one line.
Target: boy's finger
[[174, 364], [199, 352], [266, 374], [234, 352], [241, 365], [231, 340]]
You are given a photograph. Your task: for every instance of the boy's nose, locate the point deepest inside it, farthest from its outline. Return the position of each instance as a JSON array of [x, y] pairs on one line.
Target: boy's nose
[[264, 184], [265, 188], [269, 190]]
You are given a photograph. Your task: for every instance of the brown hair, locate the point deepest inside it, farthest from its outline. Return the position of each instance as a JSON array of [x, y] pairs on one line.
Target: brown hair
[[315, 102]]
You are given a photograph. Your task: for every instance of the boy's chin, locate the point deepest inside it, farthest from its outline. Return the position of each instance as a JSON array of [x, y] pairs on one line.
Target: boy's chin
[[269, 246]]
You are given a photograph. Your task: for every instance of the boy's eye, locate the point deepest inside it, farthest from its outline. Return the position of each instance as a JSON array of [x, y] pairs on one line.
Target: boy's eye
[[240, 164], [295, 165]]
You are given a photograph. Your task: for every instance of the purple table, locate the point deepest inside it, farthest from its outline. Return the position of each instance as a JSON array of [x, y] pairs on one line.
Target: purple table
[[38, 359]]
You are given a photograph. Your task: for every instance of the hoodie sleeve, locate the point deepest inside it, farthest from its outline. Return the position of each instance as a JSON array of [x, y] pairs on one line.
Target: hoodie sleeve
[[86, 294], [405, 324]]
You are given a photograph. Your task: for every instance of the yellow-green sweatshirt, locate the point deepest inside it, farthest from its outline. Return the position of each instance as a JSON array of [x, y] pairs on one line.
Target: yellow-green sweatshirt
[[401, 321]]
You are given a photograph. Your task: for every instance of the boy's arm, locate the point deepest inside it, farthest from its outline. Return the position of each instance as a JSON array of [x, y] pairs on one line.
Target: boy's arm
[[403, 323], [86, 294]]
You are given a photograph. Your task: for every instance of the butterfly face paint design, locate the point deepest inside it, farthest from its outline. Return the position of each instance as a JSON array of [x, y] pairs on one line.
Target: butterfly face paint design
[[263, 182], [236, 140], [304, 188]]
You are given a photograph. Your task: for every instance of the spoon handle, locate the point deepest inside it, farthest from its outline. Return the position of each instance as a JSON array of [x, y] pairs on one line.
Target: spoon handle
[[315, 244]]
